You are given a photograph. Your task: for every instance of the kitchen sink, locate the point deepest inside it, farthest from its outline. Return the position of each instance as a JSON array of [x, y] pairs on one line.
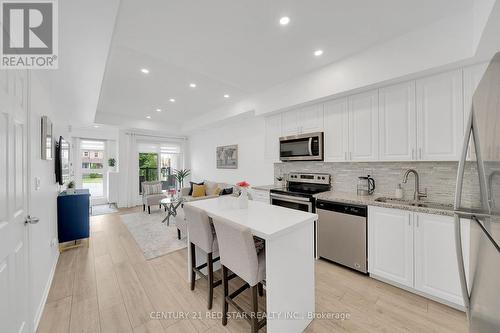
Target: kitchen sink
[[423, 204]]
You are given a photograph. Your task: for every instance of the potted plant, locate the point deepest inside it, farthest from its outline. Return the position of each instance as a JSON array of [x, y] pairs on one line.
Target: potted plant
[[71, 188], [180, 175], [112, 163], [243, 199]]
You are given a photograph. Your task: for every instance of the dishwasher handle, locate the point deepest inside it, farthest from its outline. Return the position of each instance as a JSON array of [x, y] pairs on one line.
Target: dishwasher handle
[[350, 209]]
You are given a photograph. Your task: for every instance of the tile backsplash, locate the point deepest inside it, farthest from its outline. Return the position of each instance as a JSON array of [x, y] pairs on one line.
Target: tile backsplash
[[438, 177]]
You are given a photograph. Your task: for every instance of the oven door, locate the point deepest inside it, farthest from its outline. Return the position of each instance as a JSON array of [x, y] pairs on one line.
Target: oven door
[[297, 203], [305, 147]]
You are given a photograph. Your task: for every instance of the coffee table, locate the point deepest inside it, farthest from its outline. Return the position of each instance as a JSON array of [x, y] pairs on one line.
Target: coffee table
[[171, 204]]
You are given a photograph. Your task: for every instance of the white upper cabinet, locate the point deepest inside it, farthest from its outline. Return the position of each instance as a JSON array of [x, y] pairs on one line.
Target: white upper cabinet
[[336, 130], [440, 116], [436, 268], [397, 119], [273, 133], [291, 122], [390, 244], [304, 120], [363, 126]]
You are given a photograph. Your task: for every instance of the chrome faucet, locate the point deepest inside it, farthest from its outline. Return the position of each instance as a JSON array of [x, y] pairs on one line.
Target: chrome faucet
[[417, 195]]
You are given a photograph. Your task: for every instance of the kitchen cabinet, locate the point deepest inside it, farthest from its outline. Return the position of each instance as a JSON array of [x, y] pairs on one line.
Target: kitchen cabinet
[[303, 120], [436, 269], [417, 251], [260, 195], [390, 245], [440, 116], [336, 122], [397, 115], [272, 133], [363, 126]]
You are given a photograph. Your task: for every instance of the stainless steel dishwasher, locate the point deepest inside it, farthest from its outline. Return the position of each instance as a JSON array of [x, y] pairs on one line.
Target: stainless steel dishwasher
[[342, 231]]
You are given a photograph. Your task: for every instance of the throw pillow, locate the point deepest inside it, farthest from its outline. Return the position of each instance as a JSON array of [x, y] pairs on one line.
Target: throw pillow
[[226, 191], [216, 191], [198, 191], [191, 187]]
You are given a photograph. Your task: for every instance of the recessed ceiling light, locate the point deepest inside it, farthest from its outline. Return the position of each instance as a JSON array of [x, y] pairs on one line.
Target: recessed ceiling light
[[145, 70], [192, 85], [148, 117], [158, 110], [317, 53], [284, 20], [226, 96], [172, 100], [96, 126]]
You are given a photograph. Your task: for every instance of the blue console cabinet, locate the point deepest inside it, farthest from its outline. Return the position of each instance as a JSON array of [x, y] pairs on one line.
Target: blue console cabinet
[[73, 220]]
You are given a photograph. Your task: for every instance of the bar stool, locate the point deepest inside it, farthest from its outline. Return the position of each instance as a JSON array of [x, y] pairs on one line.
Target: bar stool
[[245, 256], [202, 234]]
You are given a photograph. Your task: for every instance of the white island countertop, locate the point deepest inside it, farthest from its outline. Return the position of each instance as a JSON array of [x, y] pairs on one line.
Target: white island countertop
[[266, 221]]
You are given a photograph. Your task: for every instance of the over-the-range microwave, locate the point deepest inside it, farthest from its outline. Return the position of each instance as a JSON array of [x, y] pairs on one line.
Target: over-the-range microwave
[[302, 147]]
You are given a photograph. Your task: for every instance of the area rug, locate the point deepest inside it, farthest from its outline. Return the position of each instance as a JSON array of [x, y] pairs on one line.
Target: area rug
[[153, 237], [103, 209]]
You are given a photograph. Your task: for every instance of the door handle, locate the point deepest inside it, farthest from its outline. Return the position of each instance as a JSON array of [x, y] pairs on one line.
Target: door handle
[[31, 220]]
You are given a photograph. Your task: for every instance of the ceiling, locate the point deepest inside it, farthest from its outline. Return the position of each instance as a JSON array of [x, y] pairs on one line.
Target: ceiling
[[238, 48]]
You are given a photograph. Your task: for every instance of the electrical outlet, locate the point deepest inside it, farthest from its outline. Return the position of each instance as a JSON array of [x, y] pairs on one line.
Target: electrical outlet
[[37, 183]]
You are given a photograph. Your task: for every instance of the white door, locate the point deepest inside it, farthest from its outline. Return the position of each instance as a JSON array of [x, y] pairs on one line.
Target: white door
[[436, 268], [311, 119], [390, 245], [398, 122], [291, 122], [273, 133], [440, 116], [363, 126], [13, 203], [336, 130]]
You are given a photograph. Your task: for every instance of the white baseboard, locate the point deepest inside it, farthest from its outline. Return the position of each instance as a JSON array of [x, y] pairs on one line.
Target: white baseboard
[[41, 306]]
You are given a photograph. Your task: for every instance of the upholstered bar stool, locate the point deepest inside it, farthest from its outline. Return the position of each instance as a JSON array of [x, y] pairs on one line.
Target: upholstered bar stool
[[245, 256], [202, 234]]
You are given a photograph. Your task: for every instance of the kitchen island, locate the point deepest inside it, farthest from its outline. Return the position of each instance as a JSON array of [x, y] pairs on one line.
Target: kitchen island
[[289, 237]]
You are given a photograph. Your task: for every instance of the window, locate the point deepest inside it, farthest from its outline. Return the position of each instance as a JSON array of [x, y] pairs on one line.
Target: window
[[93, 168]]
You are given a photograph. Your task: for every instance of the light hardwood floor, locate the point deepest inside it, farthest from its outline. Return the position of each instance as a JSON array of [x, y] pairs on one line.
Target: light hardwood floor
[[110, 287]]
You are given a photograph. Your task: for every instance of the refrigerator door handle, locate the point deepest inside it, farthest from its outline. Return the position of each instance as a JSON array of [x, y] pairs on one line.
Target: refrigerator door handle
[[461, 164], [461, 265]]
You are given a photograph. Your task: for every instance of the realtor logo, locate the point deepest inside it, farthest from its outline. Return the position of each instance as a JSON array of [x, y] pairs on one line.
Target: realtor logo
[[29, 34]]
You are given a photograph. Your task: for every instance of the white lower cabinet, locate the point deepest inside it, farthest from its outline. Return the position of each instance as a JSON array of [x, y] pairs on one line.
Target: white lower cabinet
[[417, 251], [390, 245]]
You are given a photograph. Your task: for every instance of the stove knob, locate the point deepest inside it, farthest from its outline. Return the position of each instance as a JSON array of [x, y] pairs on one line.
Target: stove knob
[[323, 178]]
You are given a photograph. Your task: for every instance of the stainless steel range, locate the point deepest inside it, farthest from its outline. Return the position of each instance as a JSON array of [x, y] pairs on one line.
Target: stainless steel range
[[300, 191]]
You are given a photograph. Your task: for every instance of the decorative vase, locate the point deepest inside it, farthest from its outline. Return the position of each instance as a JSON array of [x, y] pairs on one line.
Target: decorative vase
[[243, 198]]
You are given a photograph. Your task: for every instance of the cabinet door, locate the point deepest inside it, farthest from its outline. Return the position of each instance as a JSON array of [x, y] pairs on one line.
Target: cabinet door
[[440, 116], [311, 119], [336, 130], [291, 122], [363, 126], [398, 122], [390, 245], [273, 133], [436, 268]]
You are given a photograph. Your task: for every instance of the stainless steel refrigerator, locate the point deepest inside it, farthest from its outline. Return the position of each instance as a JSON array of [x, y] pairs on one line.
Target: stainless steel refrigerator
[[478, 198]]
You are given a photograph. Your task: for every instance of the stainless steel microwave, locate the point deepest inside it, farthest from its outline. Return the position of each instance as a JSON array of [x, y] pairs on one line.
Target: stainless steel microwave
[[302, 147]]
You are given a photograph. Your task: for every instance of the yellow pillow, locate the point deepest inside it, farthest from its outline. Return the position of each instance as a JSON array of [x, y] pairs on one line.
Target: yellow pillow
[[198, 191], [216, 191]]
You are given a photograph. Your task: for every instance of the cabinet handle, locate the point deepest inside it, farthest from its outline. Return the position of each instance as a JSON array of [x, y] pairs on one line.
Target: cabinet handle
[[409, 220], [345, 156], [420, 153], [413, 153], [418, 223]]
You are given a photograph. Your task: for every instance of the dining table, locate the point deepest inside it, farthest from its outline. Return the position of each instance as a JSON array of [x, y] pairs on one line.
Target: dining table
[[289, 237]]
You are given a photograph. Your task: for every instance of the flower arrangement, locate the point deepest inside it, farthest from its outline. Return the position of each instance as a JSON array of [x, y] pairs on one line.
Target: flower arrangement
[[243, 184], [111, 162]]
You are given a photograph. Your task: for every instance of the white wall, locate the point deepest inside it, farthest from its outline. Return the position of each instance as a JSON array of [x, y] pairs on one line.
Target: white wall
[[43, 202], [248, 134]]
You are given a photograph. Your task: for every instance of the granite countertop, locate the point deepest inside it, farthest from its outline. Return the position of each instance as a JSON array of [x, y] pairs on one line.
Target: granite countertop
[[352, 198], [266, 187]]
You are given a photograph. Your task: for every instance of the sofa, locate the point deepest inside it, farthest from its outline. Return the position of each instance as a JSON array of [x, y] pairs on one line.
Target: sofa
[[210, 188], [151, 194]]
